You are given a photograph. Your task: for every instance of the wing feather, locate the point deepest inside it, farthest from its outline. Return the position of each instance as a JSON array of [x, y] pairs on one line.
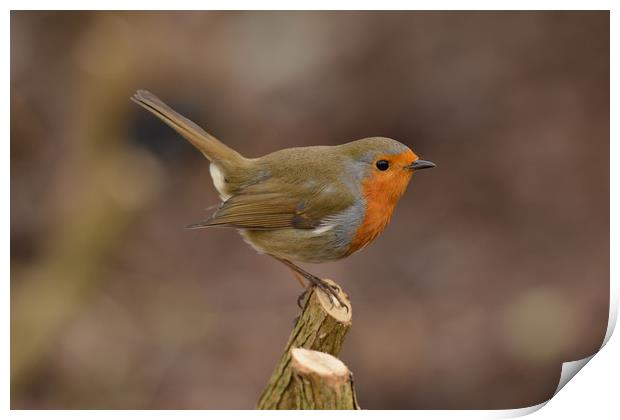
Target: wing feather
[[300, 206]]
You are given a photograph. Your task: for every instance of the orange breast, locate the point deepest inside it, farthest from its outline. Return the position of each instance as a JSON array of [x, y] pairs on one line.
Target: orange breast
[[382, 191]]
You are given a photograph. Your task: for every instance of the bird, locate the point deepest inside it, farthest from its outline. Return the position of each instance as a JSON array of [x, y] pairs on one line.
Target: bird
[[301, 204]]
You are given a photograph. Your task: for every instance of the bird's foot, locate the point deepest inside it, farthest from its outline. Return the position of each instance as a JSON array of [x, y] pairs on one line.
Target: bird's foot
[[331, 290]]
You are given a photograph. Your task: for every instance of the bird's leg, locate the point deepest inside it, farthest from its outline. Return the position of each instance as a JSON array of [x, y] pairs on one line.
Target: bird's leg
[[300, 279], [302, 297], [315, 281]]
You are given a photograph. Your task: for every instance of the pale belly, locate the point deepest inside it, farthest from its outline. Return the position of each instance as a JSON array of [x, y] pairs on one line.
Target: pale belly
[[298, 244]]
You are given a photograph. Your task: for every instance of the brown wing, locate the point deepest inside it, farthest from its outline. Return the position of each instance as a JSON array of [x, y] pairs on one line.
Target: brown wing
[[297, 206]]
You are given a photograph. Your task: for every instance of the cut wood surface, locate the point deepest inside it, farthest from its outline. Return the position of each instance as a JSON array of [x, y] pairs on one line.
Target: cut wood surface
[[321, 382], [322, 326]]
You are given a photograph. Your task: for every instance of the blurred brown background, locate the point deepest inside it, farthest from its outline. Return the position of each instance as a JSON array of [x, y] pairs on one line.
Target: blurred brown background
[[494, 270]]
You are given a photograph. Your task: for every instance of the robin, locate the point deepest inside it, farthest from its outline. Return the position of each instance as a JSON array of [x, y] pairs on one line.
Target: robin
[[302, 204]]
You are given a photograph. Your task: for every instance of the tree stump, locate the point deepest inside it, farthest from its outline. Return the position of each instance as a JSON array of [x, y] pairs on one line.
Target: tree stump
[[321, 382], [322, 327]]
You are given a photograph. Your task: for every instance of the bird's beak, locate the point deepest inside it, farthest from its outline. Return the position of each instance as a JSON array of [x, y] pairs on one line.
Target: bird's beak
[[421, 164]]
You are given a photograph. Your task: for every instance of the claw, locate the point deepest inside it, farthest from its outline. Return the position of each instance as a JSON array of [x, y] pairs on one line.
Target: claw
[[332, 291], [301, 298]]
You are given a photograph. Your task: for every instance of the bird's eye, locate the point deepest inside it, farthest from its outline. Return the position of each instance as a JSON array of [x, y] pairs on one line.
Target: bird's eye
[[382, 165]]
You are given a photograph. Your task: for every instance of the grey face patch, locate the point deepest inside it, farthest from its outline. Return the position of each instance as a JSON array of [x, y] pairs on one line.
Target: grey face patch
[[355, 173]]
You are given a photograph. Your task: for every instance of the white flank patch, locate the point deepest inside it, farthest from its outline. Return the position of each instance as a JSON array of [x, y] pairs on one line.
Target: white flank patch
[[218, 181], [324, 228]]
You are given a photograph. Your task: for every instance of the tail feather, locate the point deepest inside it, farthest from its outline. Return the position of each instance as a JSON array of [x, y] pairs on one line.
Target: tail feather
[[212, 148]]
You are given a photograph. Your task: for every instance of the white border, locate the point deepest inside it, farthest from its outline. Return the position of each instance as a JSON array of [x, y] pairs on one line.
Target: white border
[[310, 5], [593, 393]]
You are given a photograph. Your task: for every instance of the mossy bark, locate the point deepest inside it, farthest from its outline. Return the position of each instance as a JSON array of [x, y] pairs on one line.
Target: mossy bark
[[321, 326]]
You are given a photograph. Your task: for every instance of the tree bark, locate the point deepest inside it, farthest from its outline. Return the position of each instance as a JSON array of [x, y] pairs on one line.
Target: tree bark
[[321, 326]]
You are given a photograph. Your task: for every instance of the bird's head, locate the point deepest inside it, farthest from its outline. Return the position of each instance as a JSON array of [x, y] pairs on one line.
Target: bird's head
[[387, 165]]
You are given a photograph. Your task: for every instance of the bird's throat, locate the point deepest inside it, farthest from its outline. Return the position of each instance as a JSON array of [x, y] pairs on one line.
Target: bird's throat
[[381, 193]]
